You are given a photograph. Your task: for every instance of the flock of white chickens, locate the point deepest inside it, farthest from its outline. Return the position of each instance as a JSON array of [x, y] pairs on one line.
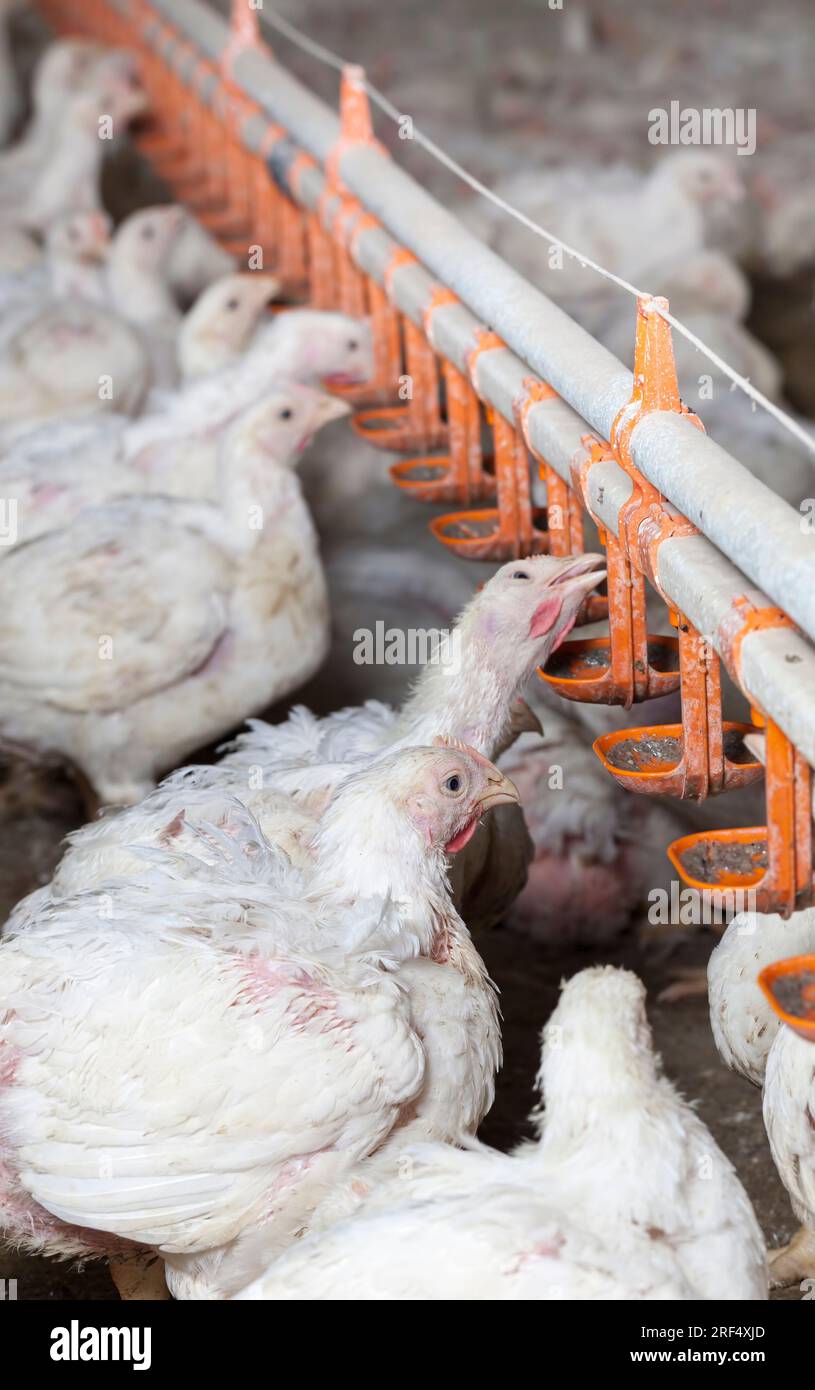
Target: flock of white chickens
[[246, 1034]]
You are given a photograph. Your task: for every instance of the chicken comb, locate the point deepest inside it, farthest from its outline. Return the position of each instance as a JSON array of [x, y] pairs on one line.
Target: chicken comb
[[446, 741]]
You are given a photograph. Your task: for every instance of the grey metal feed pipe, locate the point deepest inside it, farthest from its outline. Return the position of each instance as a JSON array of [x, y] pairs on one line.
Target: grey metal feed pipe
[[777, 666]]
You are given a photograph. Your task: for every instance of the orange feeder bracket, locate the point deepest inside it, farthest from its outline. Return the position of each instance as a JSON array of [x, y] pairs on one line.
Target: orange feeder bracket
[[161, 134], [200, 179], [773, 863], [634, 666], [457, 475], [513, 527], [192, 169], [700, 757], [628, 666], [224, 202], [416, 426], [231, 222], [564, 514], [355, 293], [167, 137]]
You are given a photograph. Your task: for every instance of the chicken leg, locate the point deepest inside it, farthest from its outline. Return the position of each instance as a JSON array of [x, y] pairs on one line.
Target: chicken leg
[[794, 1262]]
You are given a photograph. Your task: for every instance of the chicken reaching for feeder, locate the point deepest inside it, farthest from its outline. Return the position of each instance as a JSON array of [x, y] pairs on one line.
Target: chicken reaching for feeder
[[509, 627], [223, 954], [624, 1195], [150, 625]]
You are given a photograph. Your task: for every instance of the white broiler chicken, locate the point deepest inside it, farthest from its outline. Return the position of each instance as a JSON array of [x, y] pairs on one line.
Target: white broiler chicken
[[746, 1028], [69, 266], [789, 1116], [624, 221], [196, 261], [225, 952], [69, 177], [222, 321], [151, 624], [743, 1022], [57, 470], [74, 358], [624, 1195], [76, 252], [137, 287], [66, 66], [20, 251], [519, 617]]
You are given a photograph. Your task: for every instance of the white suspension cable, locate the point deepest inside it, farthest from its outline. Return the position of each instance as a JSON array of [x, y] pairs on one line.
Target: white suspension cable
[[334, 60]]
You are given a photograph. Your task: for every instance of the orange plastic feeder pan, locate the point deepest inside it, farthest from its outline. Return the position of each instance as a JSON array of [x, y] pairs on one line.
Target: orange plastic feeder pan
[[459, 475], [511, 529], [582, 670], [789, 986], [417, 426], [481, 535], [700, 757], [398, 429], [775, 860], [654, 760], [722, 858], [630, 664]]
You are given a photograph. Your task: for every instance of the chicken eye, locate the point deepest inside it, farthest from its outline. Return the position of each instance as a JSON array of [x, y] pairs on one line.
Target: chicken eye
[[520, 574], [352, 344], [453, 784], [285, 414], [148, 233], [233, 304]]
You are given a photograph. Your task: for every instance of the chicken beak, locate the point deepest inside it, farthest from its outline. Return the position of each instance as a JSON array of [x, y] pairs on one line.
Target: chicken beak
[[580, 574], [269, 288], [333, 408], [579, 578], [499, 791]]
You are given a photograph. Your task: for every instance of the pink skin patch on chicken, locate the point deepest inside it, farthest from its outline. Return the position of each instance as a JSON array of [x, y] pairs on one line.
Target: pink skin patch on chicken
[[543, 1250], [545, 616], [313, 1005], [463, 836]]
